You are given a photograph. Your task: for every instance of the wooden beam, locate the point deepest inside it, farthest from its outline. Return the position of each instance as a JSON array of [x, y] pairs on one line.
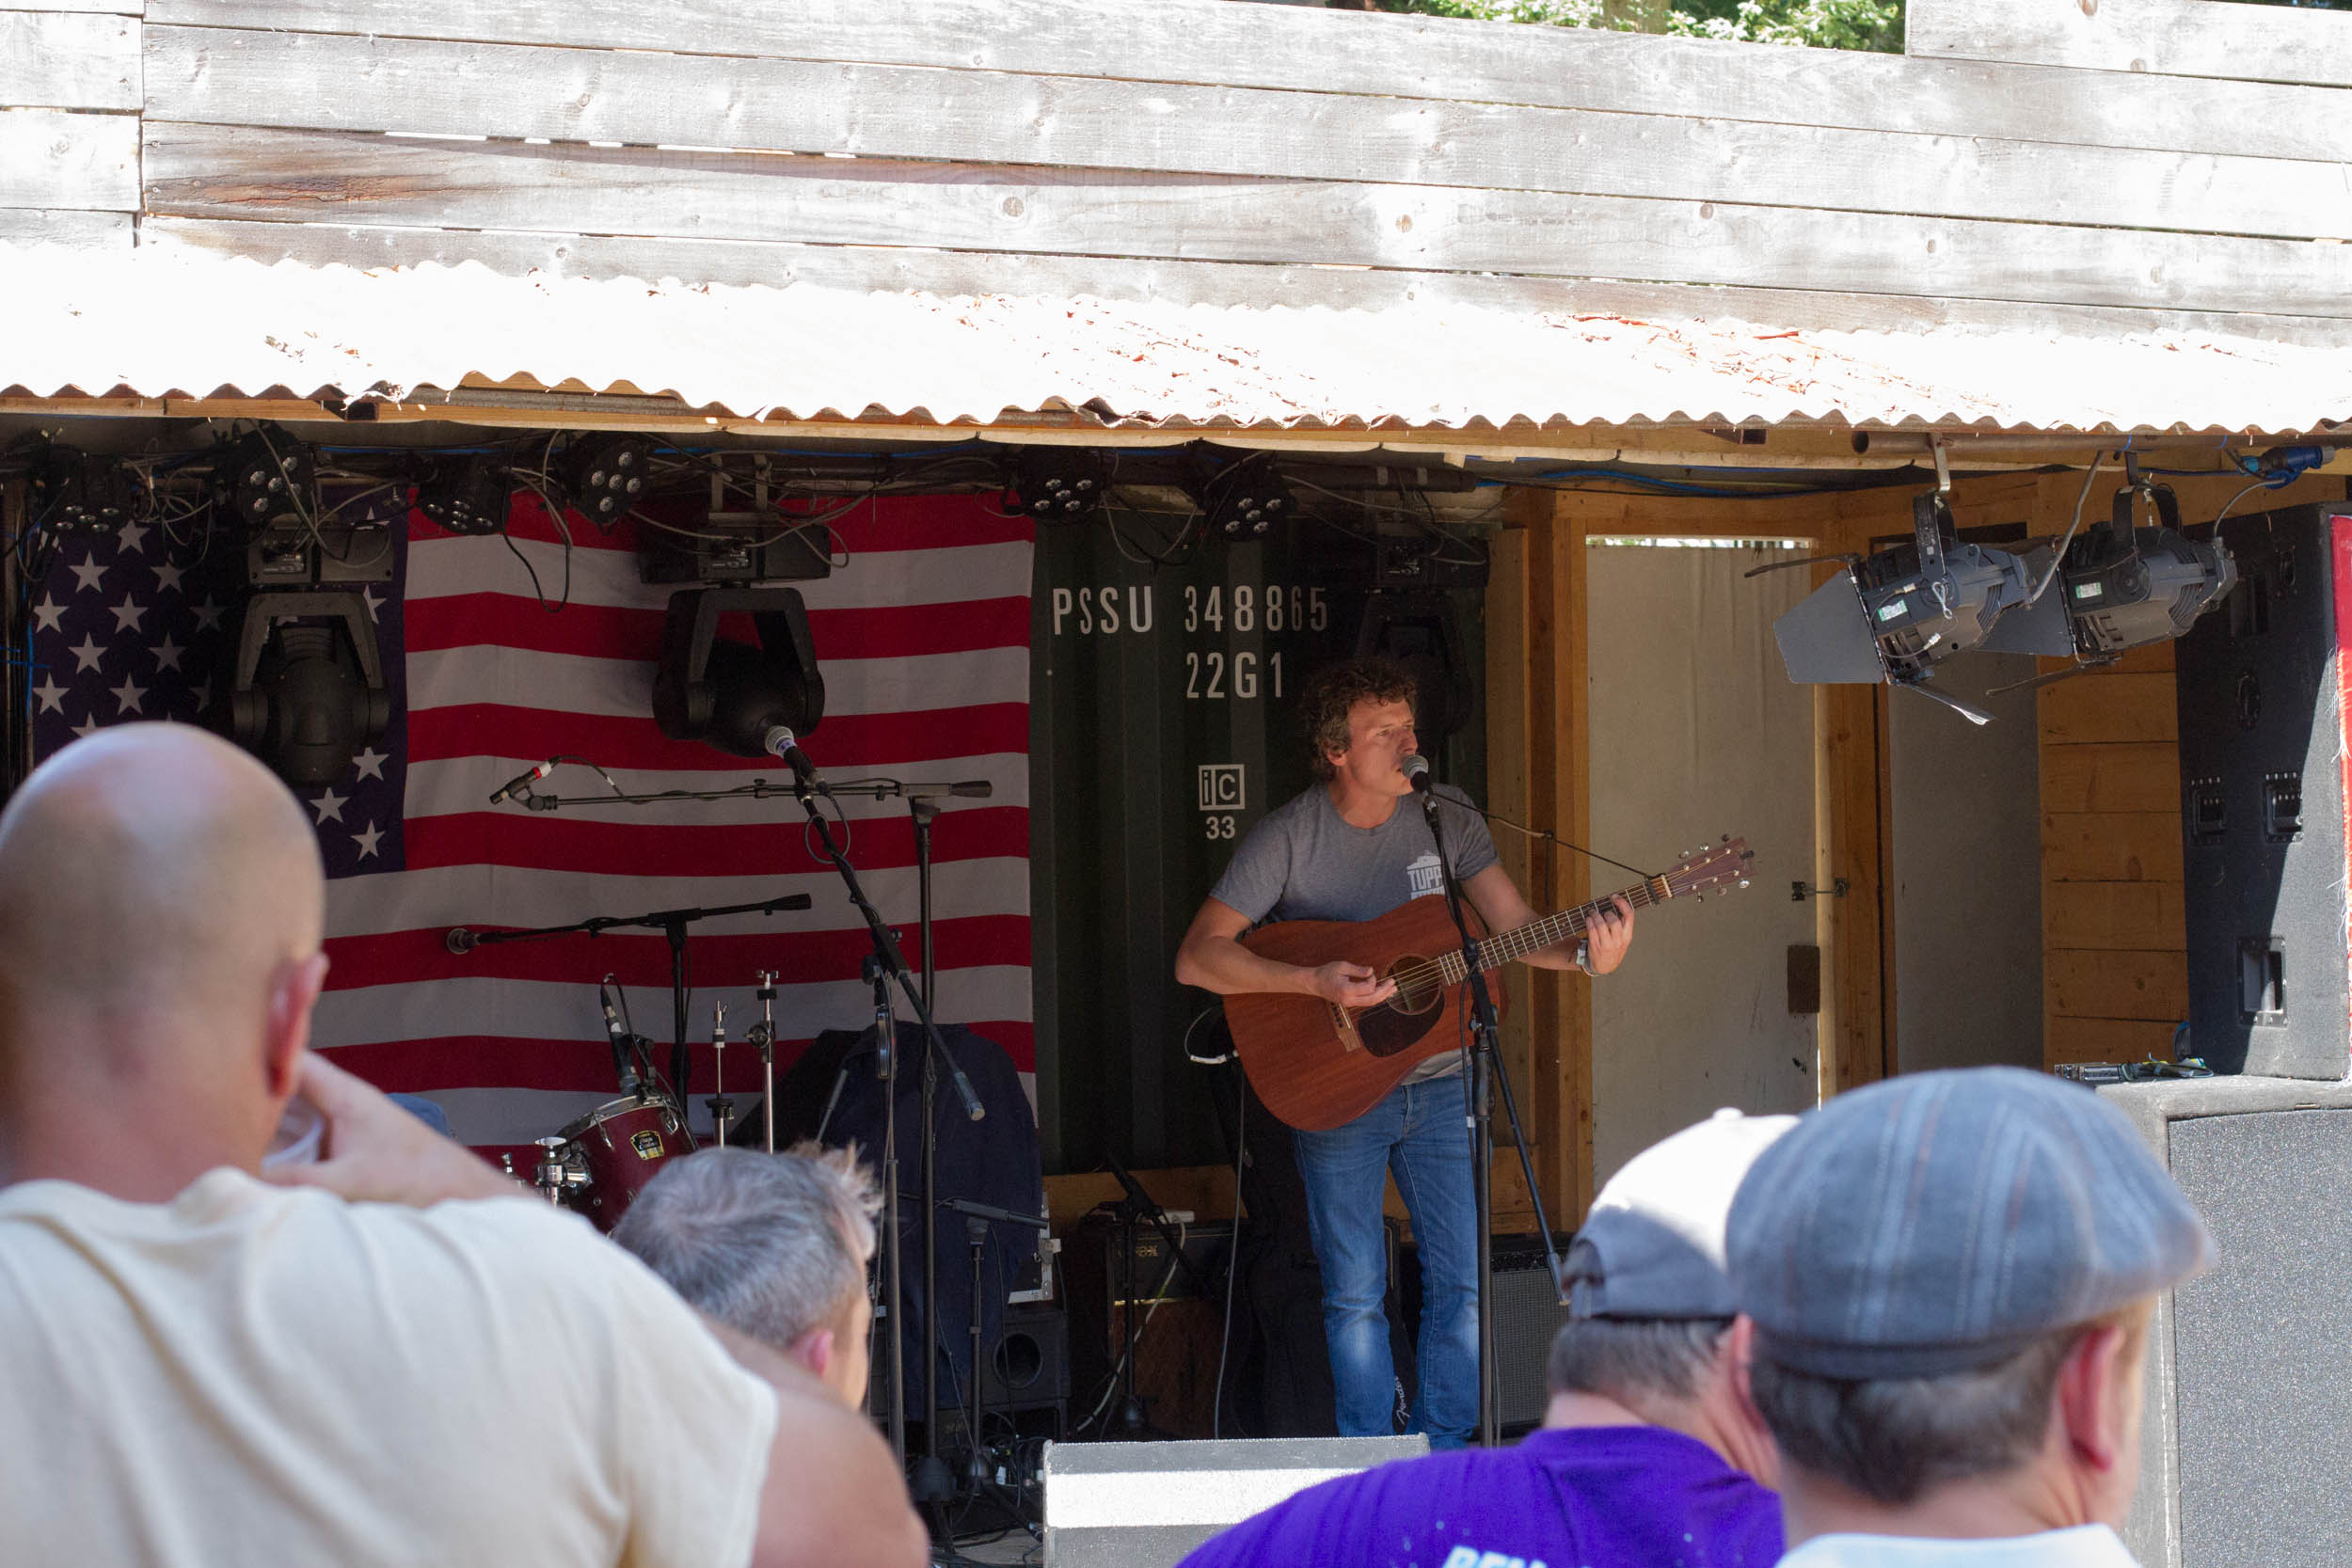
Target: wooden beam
[[311, 176], [2159, 37], [48, 225], [335, 82], [69, 62], [1507, 786], [2105, 1040], [2151, 986], [2112, 847], [68, 160], [1406, 58], [1186, 281]]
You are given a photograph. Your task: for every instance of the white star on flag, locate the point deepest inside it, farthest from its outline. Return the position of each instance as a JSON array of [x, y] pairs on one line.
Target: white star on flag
[[48, 613], [330, 805], [87, 726], [52, 695], [85, 656], [131, 533], [368, 597], [370, 763], [127, 613], [88, 571], [168, 654], [168, 577], [128, 695], [367, 840], [208, 614]]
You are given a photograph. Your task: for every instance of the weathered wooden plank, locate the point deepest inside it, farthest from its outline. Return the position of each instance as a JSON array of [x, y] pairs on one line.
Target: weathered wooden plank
[[1213, 42], [1173, 280], [2142, 916], [69, 62], [117, 8], [48, 225], [2162, 38], [2105, 1039], [63, 158], [214, 171], [333, 82], [2104, 707], [2142, 776], [2151, 986], [2110, 846]]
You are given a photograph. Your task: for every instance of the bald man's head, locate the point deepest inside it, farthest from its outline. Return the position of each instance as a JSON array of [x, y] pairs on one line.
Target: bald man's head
[[152, 869]]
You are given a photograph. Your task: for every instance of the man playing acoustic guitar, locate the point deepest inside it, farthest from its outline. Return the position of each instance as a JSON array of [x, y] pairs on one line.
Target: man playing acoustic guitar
[[1349, 848]]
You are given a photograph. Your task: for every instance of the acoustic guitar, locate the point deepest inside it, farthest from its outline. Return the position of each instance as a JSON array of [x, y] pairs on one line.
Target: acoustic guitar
[[1317, 1064]]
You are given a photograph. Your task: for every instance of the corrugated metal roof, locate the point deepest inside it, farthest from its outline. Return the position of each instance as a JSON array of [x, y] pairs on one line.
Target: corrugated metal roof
[[160, 321]]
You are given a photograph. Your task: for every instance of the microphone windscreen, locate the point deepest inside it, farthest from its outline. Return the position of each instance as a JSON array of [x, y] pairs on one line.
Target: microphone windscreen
[[973, 790]]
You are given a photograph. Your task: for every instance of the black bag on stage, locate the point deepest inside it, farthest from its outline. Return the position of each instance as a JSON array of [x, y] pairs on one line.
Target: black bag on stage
[[992, 1161]]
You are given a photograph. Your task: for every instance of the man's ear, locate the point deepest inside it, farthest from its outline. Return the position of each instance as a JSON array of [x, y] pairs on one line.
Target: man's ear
[[813, 1351], [1740, 1352], [291, 1000], [2091, 1395]]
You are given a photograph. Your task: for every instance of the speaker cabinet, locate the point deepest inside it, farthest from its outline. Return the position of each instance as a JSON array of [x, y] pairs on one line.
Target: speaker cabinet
[[2263, 740], [2248, 1408], [1030, 1364]]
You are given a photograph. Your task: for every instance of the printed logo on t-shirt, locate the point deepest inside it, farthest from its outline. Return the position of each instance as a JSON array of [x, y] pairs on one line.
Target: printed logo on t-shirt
[[1471, 1557], [1426, 876]]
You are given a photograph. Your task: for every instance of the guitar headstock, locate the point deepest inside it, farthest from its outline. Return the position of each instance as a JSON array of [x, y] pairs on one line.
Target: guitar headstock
[[1718, 865]]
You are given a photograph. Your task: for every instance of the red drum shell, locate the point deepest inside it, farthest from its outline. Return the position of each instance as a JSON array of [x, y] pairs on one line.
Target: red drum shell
[[623, 1142]]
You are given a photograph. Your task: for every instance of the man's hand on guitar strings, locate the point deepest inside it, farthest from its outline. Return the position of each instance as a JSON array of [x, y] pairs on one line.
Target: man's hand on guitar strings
[[1352, 986], [1609, 935]]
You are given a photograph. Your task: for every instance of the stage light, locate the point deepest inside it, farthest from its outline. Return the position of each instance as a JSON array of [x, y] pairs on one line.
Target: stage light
[[80, 493], [466, 494], [1895, 615], [1243, 499], [2127, 587], [1416, 628], [1058, 485], [308, 689], [264, 476], [728, 694], [603, 476]]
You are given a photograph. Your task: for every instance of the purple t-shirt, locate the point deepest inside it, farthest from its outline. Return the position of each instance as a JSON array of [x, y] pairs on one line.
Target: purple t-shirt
[[1627, 1497]]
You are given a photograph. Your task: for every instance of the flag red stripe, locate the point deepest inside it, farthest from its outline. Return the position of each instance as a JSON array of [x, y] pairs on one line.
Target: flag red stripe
[[878, 741], [643, 957], [550, 842]]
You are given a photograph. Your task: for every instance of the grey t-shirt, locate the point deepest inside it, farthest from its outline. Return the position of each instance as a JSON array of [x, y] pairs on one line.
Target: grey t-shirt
[[1305, 861]]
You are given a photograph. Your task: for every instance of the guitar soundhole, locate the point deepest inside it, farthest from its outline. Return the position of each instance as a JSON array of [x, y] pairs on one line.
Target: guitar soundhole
[[1418, 986]]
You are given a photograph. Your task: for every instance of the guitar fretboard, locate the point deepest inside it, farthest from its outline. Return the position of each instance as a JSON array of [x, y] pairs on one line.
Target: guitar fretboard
[[1506, 946]]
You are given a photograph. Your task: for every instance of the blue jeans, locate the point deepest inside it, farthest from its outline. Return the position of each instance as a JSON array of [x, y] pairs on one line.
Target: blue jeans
[[1418, 1132]]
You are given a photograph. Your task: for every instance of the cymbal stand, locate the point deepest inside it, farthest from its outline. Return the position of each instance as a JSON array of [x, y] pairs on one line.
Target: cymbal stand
[[763, 1036], [722, 1107]]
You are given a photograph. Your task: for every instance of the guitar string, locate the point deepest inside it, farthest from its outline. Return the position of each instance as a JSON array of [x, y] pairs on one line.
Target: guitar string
[[1507, 945]]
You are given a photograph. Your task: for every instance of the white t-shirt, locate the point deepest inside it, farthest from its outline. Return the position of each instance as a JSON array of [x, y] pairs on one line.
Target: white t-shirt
[[2084, 1546], [251, 1375]]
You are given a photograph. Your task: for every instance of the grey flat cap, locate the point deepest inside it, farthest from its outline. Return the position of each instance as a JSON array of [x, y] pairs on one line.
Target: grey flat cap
[[1941, 1222], [1653, 1246]]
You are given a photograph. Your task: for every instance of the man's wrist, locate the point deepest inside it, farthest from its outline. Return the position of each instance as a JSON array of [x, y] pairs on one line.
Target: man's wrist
[[1584, 957]]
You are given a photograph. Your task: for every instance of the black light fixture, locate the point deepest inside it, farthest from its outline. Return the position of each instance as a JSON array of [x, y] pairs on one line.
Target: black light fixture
[[2127, 587], [1058, 485], [81, 493], [605, 475], [264, 475], [466, 494], [729, 694], [308, 689], [1243, 499]]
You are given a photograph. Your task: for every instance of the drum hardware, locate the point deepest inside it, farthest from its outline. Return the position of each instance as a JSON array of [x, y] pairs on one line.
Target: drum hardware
[[551, 1175], [763, 1038], [722, 1107], [612, 1151]]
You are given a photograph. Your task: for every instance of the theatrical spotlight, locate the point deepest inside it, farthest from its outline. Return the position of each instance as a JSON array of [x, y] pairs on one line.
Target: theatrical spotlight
[[730, 694], [1058, 485], [1242, 500], [466, 494], [603, 476], [2127, 587], [1895, 615], [264, 476], [308, 689], [75, 492]]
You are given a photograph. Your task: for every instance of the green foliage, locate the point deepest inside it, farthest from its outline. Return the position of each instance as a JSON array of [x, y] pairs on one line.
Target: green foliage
[[1818, 24]]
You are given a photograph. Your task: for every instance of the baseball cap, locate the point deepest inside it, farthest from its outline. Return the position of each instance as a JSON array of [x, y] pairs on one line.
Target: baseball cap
[[1653, 1244]]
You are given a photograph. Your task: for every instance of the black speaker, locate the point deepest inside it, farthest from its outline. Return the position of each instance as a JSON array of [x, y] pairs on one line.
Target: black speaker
[[2261, 726], [2248, 1411], [1029, 1366]]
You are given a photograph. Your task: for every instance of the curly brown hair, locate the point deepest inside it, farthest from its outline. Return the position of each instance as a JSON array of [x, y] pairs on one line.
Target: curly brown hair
[[1333, 689]]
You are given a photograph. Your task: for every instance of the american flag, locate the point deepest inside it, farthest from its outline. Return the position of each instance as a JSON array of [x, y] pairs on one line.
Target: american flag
[[924, 642]]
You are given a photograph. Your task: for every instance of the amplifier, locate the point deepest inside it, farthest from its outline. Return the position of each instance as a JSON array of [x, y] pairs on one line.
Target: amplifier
[[1528, 1315]]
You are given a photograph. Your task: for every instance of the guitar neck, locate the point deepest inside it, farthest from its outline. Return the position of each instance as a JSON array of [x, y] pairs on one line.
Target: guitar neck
[[1505, 947]]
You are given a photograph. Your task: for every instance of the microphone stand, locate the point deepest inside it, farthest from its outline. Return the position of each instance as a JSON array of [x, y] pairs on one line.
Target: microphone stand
[[1483, 1068], [934, 1482]]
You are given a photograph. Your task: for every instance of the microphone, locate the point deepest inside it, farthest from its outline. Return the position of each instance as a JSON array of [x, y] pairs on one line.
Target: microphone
[[970, 789], [1416, 771], [459, 939], [780, 741], [521, 781], [622, 1066]]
